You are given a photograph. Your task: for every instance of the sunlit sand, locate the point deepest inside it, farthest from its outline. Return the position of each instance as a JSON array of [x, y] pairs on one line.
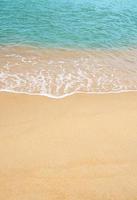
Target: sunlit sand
[[83, 147]]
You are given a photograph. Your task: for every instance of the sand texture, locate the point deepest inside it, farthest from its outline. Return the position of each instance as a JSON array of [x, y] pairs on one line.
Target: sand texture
[[83, 147]]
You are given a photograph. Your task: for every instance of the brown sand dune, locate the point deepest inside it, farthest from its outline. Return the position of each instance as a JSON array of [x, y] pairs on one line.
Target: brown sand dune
[[83, 147]]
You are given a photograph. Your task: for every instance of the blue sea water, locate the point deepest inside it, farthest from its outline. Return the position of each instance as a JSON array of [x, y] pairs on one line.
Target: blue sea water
[[69, 23]]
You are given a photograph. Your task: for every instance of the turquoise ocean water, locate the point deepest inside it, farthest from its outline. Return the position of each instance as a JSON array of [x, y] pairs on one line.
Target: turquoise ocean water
[[56, 48], [69, 23]]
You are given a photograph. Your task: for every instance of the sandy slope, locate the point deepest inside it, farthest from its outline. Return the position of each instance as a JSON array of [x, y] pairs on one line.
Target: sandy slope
[[83, 147]]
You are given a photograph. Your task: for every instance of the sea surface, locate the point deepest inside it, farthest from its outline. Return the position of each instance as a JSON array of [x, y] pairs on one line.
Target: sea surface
[[56, 48]]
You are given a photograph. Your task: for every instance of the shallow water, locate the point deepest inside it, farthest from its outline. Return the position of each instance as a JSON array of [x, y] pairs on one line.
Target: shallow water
[[58, 73]]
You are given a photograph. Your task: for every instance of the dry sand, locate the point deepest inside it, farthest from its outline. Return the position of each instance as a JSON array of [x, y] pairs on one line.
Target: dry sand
[[83, 147]]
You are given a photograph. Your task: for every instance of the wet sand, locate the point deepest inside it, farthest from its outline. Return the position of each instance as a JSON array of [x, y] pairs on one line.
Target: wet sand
[[82, 147]]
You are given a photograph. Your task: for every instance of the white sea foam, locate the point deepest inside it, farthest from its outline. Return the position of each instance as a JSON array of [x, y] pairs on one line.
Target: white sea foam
[[58, 74]]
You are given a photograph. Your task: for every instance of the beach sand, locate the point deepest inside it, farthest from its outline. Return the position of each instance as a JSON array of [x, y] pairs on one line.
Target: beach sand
[[83, 147]]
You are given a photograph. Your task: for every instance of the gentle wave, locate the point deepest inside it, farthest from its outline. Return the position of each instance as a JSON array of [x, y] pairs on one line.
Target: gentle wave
[[58, 73], [66, 95]]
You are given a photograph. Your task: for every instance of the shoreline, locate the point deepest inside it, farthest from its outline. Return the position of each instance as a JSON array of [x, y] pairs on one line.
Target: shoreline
[[81, 147], [67, 95]]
